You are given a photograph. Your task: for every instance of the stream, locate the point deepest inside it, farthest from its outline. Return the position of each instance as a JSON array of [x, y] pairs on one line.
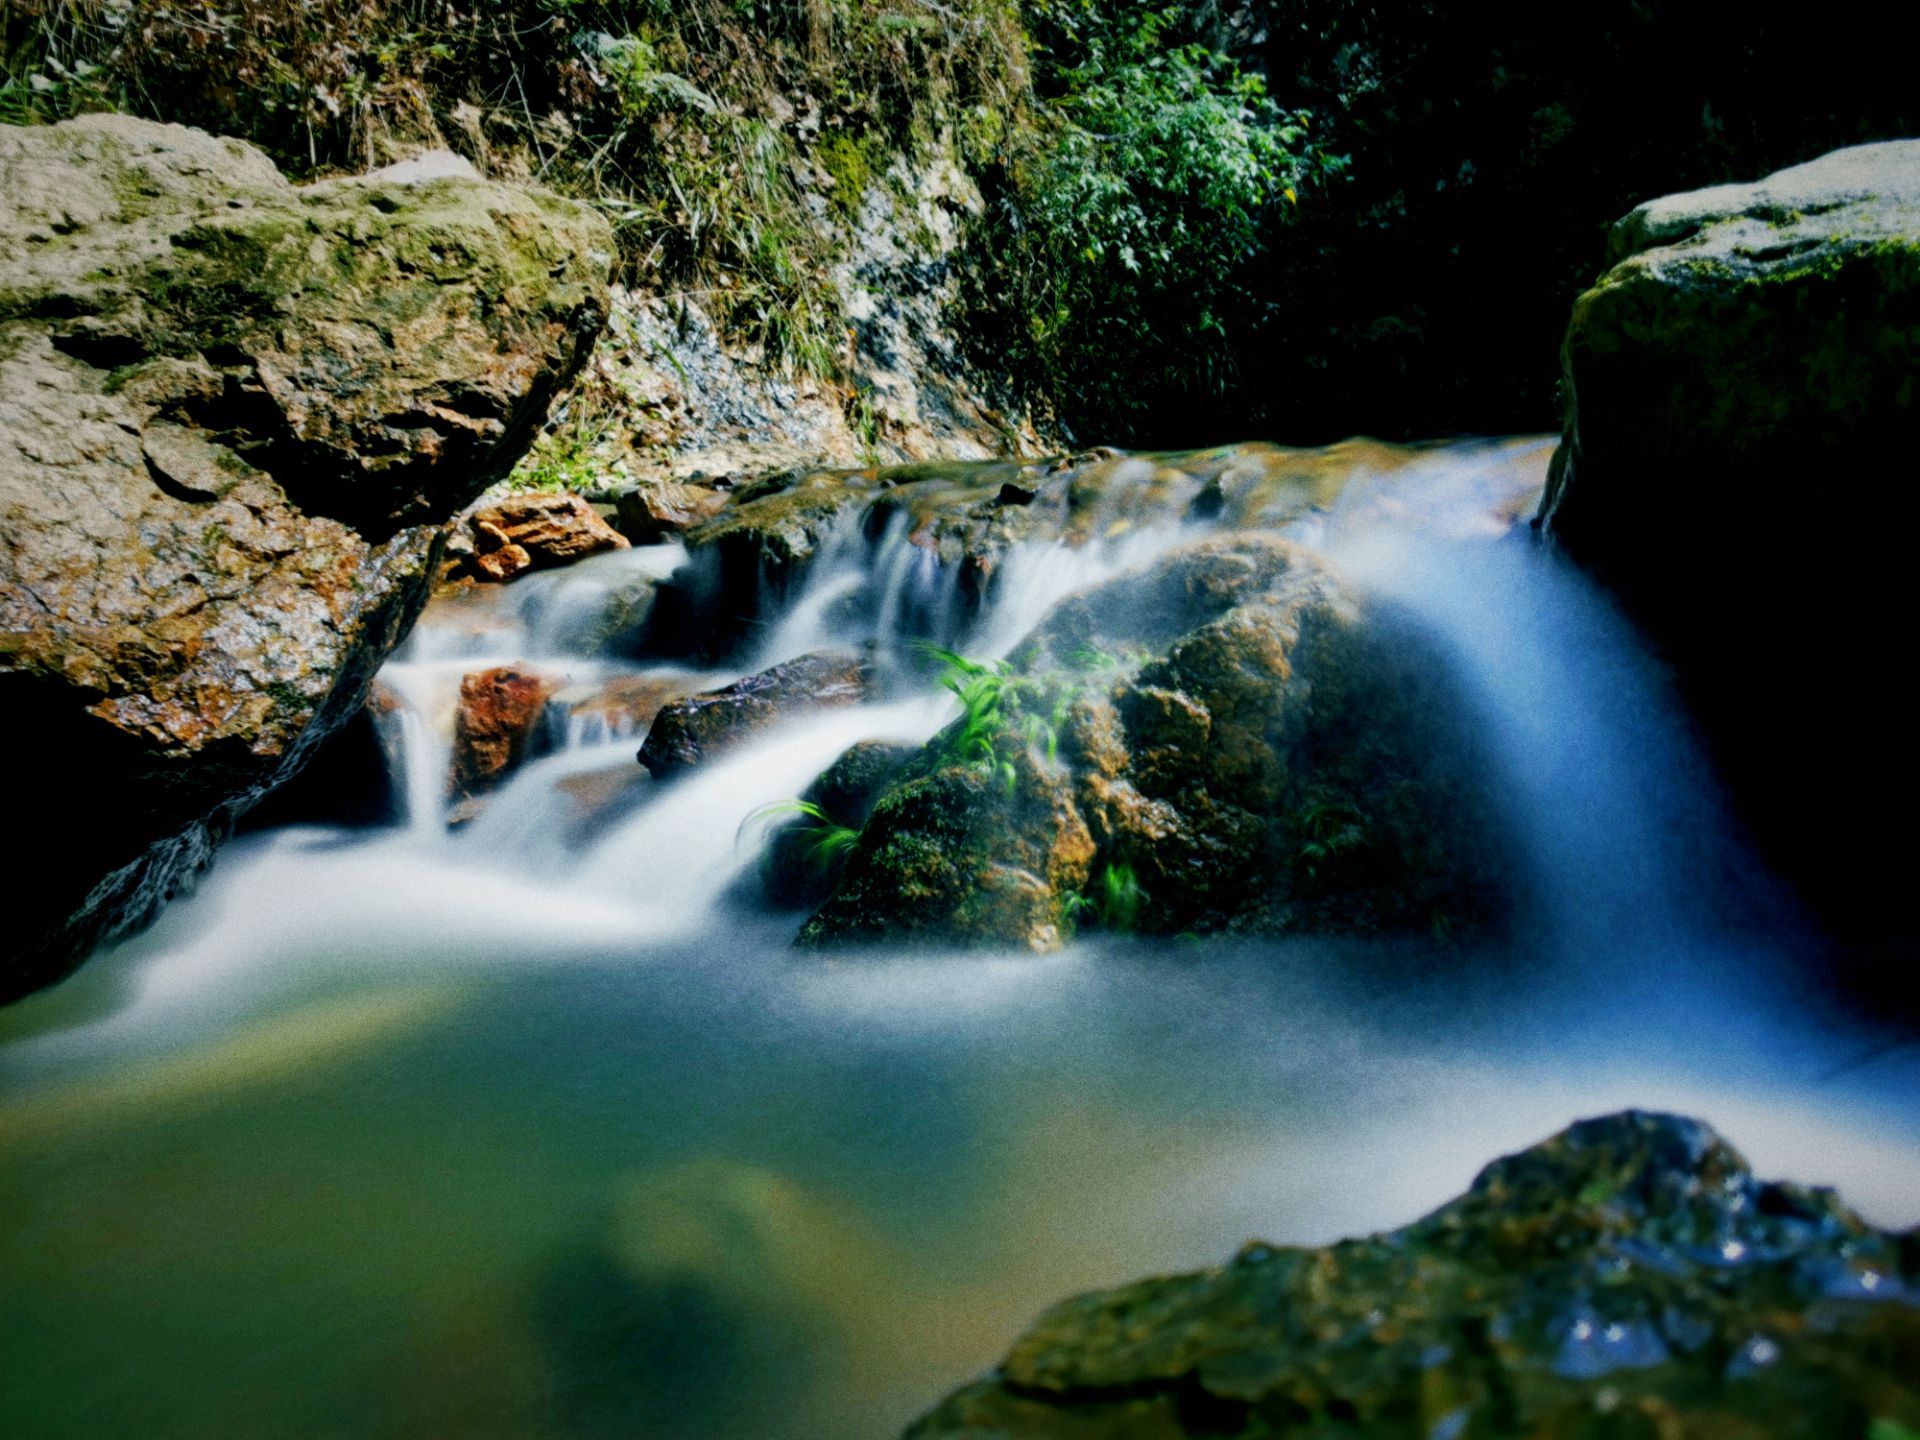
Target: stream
[[539, 1127]]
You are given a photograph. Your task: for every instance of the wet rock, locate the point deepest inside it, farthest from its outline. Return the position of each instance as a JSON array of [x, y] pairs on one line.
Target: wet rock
[[692, 731], [502, 562], [967, 515], [1747, 366], [653, 513], [1224, 740], [538, 531], [798, 868], [494, 728], [234, 417], [1629, 1277]]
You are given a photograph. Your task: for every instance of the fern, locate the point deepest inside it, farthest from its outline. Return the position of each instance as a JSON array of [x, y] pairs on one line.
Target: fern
[[827, 841], [1115, 905]]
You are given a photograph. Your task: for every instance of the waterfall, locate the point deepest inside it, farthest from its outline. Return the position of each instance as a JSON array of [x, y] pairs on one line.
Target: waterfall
[[565, 1052]]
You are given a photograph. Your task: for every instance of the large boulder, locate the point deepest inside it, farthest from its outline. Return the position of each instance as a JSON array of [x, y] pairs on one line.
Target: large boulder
[[1629, 1277], [234, 417], [1747, 372], [1223, 740]]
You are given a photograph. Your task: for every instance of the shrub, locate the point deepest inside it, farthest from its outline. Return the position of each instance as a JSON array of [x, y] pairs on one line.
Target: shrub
[[1114, 276]]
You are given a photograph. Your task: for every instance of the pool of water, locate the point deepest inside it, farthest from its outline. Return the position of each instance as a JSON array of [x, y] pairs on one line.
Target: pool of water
[[486, 1166]]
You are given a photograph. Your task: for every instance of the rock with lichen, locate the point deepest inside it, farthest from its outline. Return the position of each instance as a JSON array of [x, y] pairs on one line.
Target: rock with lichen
[[1224, 740], [1629, 1277], [235, 415], [1745, 372]]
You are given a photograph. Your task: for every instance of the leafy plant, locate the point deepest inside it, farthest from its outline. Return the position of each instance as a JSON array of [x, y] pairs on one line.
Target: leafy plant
[[825, 841], [1116, 273], [1331, 829], [1115, 904], [997, 709]]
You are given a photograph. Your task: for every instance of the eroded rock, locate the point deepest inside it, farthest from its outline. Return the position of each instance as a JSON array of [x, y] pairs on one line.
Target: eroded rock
[[1629, 1277], [234, 416]]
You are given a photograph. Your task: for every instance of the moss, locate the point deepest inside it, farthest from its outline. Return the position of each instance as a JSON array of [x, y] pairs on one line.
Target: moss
[[854, 162]]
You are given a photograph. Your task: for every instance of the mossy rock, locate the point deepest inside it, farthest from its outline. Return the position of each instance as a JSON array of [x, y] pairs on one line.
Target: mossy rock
[[967, 515], [1628, 1278], [1224, 737], [1743, 377], [235, 415]]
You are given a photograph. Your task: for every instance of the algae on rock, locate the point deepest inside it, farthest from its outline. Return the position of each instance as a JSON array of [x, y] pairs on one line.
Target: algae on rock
[[1629, 1277]]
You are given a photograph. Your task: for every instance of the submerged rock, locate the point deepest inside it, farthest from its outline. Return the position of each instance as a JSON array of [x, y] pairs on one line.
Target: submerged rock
[[493, 729], [1750, 367], [1629, 1277], [234, 417], [1222, 740], [691, 731], [537, 531]]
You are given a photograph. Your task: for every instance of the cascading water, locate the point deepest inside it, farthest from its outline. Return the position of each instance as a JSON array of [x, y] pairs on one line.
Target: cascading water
[[537, 1126]]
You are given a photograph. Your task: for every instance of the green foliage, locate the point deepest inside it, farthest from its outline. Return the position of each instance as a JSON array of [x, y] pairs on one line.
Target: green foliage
[[1330, 830], [825, 841], [998, 710], [1115, 904], [1115, 274], [700, 127]]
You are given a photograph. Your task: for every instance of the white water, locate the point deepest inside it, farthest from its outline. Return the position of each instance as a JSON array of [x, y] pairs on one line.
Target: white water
[[386, 1127]]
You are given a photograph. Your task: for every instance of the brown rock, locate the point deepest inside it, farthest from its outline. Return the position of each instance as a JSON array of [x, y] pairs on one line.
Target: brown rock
[[234, 417], [503, 564], [547, 530], [494, 728], [658, 512], [692, 731]]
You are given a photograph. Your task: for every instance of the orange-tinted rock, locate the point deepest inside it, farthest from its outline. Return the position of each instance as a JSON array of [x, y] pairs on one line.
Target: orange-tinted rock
[[547, 530], [502, 564], [494, 729]]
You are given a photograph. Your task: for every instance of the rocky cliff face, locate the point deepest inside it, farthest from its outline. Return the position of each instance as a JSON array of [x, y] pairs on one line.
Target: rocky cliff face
[[234, 415], [1629, 1277], [1741, 400]]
